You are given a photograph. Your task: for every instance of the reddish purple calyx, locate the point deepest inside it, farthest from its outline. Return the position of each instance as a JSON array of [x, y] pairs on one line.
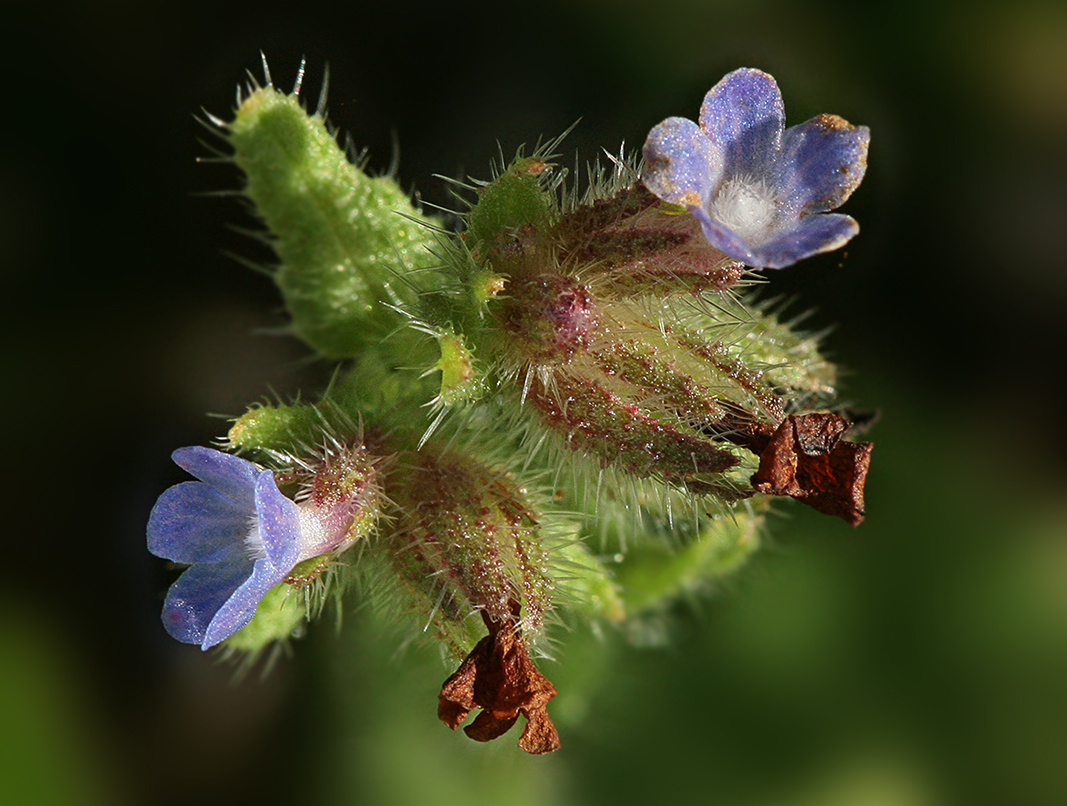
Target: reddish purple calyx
[[553, 316]]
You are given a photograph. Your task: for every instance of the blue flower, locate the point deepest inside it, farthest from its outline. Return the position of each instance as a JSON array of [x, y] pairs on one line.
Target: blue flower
[[237, 532], [761, 192]]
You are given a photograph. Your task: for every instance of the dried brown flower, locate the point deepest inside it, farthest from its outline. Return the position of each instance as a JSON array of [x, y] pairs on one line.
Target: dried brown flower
[[808, 460], [499, 677]]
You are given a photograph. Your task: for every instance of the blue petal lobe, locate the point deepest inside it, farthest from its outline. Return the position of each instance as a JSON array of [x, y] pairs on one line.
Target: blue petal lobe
[[232, 475], [744, 115], [681, 165], [198, 594], [822, 161], [279, 523], [811, 235], [723, 238], [194, 523], [239, 608]]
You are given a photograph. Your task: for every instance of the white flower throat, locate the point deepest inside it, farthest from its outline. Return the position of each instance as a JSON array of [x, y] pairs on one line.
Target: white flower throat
[[747, 206], [255, 548], [318, 535]]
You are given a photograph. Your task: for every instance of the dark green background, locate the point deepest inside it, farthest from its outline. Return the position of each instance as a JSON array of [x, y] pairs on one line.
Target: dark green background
[[921, 659]]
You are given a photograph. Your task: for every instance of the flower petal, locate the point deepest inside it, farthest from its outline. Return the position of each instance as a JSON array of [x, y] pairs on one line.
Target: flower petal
[[239, 608], [194, 523], [681, 165], [811, 235], [229, 474], [279, 523], [823, 160], [196, 596], [723, 238], [744, 116]]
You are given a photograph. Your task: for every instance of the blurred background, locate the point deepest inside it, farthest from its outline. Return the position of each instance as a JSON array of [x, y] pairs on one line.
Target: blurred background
[[916, 661]]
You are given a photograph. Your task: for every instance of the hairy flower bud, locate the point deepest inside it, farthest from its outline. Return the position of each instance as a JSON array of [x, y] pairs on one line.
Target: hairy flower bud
[[342, 237], [467, 539], [466, 542]]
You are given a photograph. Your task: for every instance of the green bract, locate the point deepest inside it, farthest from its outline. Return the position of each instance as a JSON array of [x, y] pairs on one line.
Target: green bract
[[344, 239]]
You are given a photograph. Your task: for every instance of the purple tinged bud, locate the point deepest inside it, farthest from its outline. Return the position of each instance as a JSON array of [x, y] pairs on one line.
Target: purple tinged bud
[[552, 317], [467, 539]]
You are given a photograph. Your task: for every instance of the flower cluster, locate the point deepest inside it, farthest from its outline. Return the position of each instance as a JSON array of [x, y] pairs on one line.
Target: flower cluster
[[595, 368]]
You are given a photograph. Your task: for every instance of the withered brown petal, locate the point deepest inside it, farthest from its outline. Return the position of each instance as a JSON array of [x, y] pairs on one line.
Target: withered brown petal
[[508, 679], [818, 433], [806, 459], [499, 677], [489, 725], [451, 712], [540, 735], [456, 699]]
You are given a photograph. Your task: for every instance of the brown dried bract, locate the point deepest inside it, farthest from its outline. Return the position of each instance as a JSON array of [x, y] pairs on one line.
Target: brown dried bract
[[499, 677], [806, 459]]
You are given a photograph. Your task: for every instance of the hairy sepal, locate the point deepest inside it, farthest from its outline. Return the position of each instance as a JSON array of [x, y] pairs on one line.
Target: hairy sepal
[[465, 539], [346, 241]]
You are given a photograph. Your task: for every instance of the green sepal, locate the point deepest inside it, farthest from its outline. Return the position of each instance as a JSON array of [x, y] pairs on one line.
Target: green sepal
[[278, 429], [654, 573], [587, 587], [345, 240], [403, 604], [461, 381], [514, 199], [278, 615]]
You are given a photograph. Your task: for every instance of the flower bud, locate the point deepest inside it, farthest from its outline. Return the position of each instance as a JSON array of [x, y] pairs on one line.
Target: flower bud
[[343, 238], [466, 541]]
